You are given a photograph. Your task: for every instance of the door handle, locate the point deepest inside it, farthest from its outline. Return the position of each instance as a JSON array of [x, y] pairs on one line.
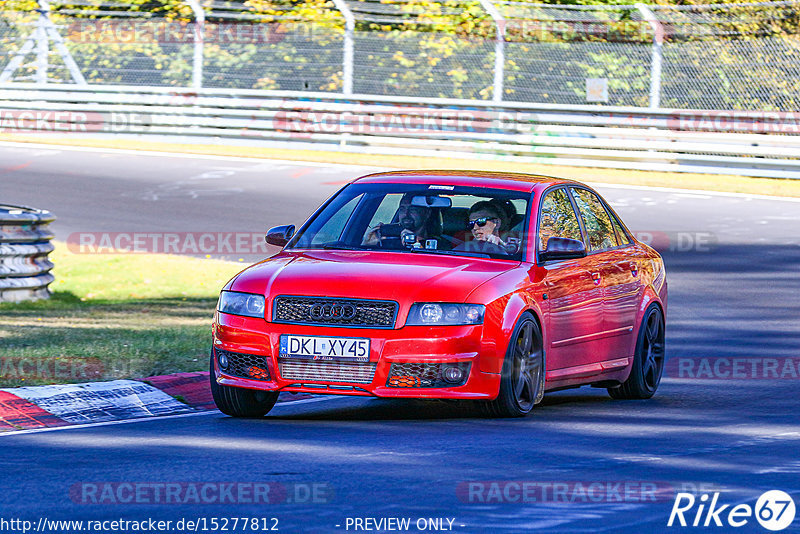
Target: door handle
[[634, 268], [596, 278]]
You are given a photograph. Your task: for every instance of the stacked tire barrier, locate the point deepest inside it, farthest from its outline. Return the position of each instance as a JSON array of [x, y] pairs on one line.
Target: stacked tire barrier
[[25, 242]]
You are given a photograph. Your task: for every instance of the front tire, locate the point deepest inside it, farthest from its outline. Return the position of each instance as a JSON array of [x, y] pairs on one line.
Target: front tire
[[240, 402], [522, 382], [648, 360]]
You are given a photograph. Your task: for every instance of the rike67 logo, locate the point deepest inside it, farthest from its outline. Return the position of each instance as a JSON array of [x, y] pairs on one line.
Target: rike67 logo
[[774, 510]]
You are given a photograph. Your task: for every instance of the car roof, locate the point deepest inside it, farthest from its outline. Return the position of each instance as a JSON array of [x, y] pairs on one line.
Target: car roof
[[501, 180]]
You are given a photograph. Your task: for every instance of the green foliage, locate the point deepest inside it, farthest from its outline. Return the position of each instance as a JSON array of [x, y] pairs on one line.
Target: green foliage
[[739, 57], [126, 316]]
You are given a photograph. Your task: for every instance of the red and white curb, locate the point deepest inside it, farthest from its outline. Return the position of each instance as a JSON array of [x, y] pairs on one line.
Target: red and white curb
[[17, 414], [35, 407]]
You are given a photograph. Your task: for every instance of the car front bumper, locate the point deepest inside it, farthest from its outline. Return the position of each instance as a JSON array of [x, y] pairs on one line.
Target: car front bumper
[[408, 345]]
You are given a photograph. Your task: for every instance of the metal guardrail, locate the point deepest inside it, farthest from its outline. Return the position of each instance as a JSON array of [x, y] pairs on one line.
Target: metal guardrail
[[24, 248], [765, 144]]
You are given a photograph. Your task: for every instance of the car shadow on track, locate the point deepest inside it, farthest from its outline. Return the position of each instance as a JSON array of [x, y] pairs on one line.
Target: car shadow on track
[[374, 409], [678, 403]]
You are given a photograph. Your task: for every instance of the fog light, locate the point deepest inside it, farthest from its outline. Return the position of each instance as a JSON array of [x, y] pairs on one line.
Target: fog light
[[453, 375], [223, 361]]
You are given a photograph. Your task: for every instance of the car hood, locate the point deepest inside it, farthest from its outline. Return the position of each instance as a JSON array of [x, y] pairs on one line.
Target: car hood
[[402, 277]]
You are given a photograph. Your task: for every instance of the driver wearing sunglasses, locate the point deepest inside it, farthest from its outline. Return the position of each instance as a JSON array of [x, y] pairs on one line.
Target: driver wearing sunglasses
[[488, 221], [485, 222]]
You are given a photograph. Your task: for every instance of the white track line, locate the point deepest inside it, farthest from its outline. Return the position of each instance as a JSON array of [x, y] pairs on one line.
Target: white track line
[[179, 155], [158, 417], [152, 153]]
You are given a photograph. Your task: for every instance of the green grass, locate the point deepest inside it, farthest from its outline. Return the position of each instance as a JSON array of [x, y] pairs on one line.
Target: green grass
[[113, 316]]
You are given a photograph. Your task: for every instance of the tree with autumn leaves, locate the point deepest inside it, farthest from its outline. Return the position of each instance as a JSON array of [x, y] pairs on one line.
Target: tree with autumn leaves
[[427, 48]]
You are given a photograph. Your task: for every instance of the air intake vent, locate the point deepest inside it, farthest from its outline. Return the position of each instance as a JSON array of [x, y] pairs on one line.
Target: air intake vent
[[243, 365], [426, 375]]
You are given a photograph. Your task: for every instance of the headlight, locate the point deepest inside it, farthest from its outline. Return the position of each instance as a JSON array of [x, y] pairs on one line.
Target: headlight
[[247, 304], [440, 313]]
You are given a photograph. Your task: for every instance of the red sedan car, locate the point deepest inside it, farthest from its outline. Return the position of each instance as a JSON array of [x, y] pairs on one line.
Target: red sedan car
[[492, 287]]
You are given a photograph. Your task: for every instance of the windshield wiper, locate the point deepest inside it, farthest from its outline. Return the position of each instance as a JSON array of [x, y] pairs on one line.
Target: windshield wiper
[[337, 246], [451, 252]]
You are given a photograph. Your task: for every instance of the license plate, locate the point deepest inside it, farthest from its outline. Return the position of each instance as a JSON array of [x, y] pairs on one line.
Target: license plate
[[324, 348]]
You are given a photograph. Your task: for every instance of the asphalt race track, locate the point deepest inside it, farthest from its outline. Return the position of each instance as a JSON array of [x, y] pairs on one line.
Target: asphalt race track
[[734, 272]]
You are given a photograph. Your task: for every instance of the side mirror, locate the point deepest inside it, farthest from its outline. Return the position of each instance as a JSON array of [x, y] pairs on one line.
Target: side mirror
[[562, 248], [280, 235]]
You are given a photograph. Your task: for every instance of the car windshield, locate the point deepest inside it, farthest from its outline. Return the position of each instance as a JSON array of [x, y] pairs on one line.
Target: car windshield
[[411, 218]]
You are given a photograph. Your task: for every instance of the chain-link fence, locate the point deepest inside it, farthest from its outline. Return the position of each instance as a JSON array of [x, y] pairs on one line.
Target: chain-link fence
[[553, 50], [736, 56], [732, 57], [273, 46]]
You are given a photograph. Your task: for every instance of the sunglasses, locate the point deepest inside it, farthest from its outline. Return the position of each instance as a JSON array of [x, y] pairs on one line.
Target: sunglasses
[[480, 222]]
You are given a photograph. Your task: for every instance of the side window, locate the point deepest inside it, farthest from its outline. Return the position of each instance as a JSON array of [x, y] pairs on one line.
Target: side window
[[336, 226], [386, 210], [599, 231], [557, 218], [623, 238]]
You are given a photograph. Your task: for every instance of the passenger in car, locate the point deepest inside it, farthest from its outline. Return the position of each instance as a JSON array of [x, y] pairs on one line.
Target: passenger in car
[[490, 224]]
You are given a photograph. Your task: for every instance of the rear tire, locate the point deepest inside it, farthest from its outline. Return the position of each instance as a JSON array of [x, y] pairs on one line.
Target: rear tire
[[648, 360], [522, 381], [240, 402]]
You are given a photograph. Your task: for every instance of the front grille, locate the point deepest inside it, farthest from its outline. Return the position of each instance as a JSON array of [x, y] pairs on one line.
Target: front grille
[[334, 312], [423, 375], [355, 373], [244, 365]]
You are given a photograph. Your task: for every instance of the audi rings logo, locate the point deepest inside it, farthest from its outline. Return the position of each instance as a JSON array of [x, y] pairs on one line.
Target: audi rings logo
[[332, 311]]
